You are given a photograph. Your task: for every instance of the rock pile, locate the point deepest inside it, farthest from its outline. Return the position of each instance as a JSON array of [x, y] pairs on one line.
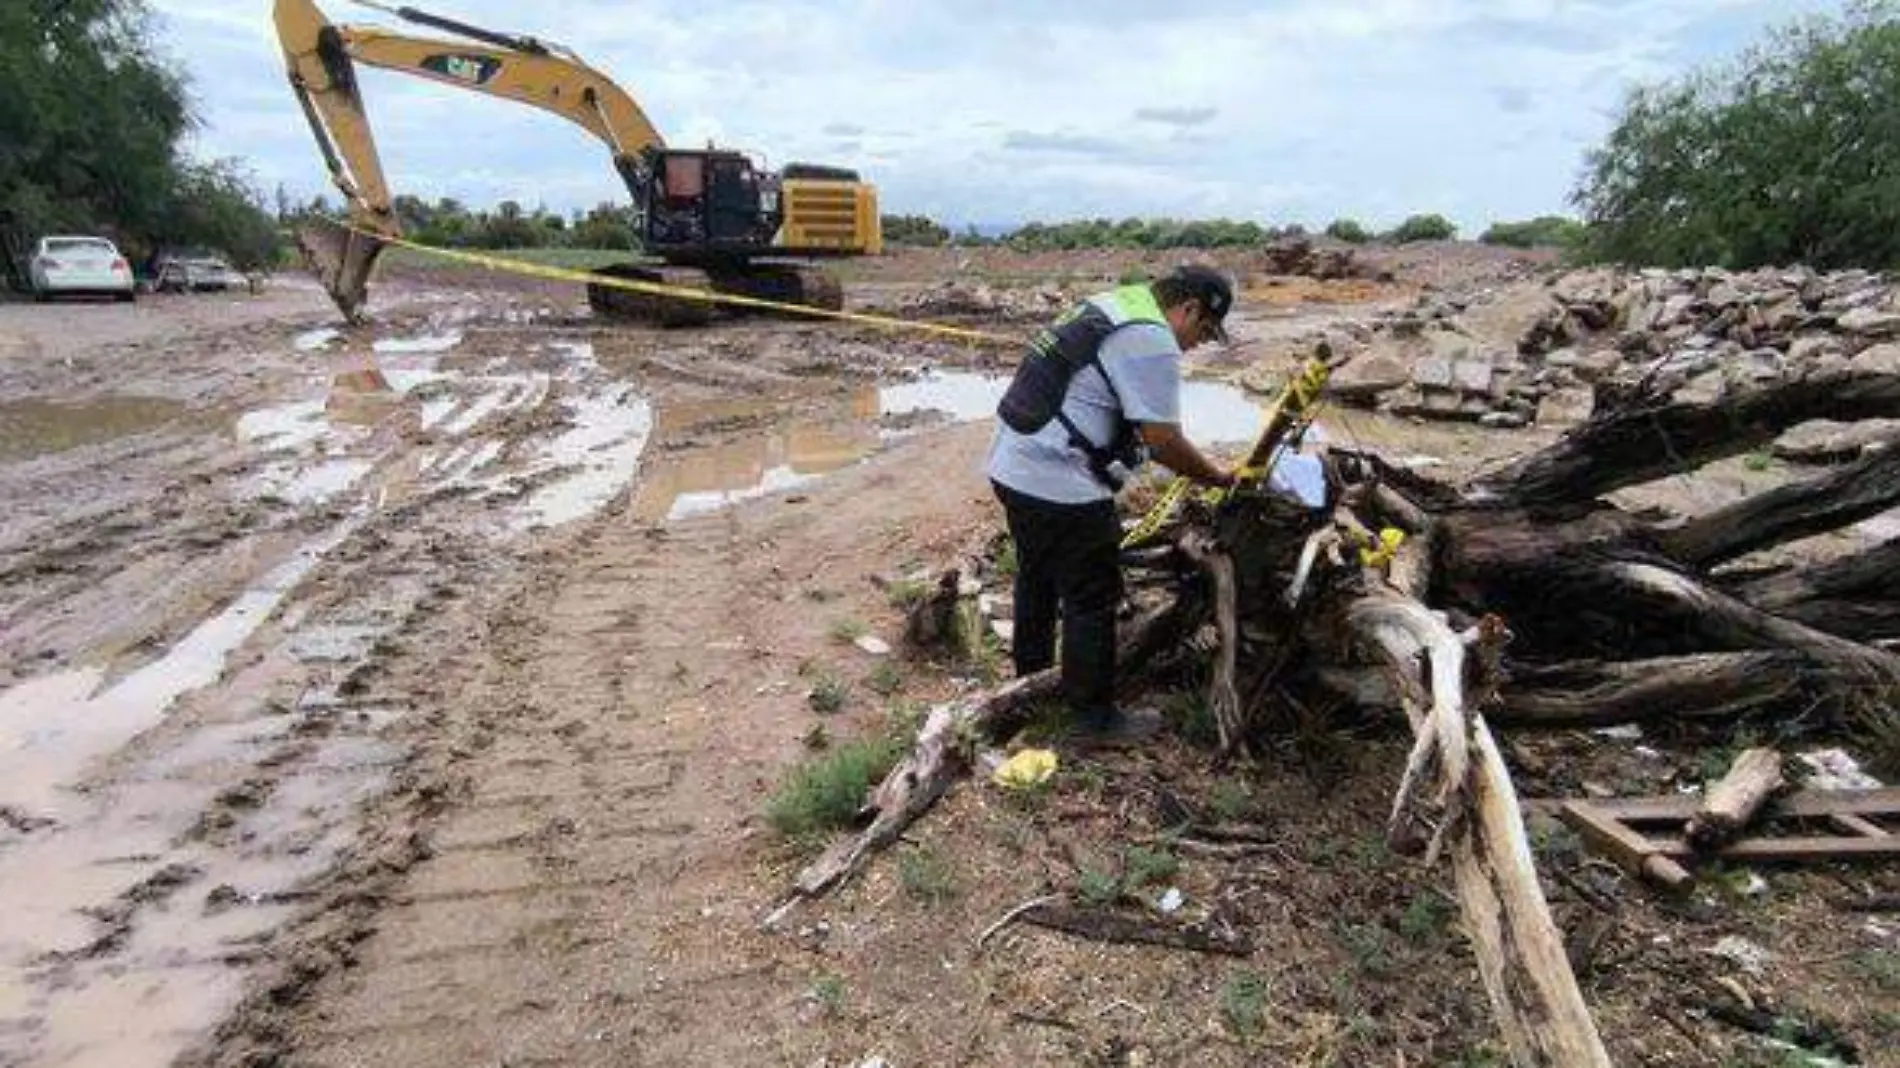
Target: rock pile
[[1543, 351], [1300, 256], [953, 299]]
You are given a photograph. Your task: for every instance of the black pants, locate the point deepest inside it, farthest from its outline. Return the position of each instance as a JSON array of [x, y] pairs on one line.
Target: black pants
[[1068, 563]]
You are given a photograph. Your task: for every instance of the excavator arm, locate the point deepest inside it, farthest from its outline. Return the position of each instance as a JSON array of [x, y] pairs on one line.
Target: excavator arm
[[321, 58]]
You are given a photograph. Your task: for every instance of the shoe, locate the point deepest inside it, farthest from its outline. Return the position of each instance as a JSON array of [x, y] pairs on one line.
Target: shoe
[[1115, 729]]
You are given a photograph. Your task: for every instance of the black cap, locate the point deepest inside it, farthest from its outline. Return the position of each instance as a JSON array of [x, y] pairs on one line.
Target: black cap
[[1212, 289]]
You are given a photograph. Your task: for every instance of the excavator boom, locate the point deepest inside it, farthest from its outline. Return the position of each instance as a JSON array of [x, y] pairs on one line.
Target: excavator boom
[[695, 201]]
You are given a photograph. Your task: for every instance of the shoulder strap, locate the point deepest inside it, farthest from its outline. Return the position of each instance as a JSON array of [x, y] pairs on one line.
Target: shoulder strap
[[1101, 458]]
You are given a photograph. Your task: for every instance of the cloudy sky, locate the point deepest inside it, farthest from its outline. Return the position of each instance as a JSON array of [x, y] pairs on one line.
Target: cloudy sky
[[1003, 111]]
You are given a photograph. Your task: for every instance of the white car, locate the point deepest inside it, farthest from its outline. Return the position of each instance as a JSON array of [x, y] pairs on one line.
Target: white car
[[209, 272], [62, 265]]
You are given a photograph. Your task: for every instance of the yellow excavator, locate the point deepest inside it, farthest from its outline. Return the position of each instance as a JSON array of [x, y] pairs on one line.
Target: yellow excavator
[[706, 218]]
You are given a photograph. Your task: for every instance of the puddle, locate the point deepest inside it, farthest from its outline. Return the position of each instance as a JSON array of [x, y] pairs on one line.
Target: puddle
[[284, 426], [1213, 413], [36, 428], [609, 433], [52, 727], [202, 845], [706, 480], [312, 485], [426, 343], [312, 340], [963, 396], [197, 909], [703, 480]]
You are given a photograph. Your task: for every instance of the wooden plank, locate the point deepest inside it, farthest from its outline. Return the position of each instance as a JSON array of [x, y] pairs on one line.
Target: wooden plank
[[1631, 851], [1853, 824], [1806, 848], [1884, 802]]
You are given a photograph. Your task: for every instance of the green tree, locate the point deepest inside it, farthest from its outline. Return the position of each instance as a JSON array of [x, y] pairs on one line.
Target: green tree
[[604, 226], [1791, 153], [1349, 231], [214, 205], [1545, 231], [1423, 228], [89, 117], [914, 230], [90, 122]]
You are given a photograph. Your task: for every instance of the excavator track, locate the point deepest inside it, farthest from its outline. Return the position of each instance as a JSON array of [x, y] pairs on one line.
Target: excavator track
[[612, 302], [789, 285]]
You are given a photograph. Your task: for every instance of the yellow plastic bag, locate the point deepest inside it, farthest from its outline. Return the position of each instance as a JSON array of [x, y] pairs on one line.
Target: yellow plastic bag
[[1030, 767], [1381, 554]]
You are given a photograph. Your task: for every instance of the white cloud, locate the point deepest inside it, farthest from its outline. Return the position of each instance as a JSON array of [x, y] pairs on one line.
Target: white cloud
[[998, 111]]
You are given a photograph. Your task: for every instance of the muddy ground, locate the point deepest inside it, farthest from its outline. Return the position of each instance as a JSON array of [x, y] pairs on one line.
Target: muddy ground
[[413, 694]]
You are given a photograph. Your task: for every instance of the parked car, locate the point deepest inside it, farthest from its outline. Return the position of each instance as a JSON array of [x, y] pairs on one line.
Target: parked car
[[197, 273], [73, 264]]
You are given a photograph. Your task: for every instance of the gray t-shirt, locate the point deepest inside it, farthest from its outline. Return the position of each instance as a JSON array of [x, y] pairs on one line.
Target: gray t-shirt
[[1144, 361]]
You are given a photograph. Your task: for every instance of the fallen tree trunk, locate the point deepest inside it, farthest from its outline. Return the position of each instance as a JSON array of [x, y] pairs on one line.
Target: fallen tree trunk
[[1855, 596], [1855, 492], [1649, 438]]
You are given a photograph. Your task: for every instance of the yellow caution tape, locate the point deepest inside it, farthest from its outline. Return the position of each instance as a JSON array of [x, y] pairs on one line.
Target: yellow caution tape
[[1300, 397], [1030, 767], [708, 296]]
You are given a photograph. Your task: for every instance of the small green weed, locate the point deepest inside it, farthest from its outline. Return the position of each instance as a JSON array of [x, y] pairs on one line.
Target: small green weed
[[1426, 918], [828, 694], [1370, 946], [1098, 888], [1230, 800], [848, 630], [926, 875], [1370, 851], [904, 719], [1006, 558], [1145, 865], [1243, 1002], [907, 593], [1758, 461], [1089, 779], [829, 992], [826, 792], [1881, 967], [885, 679]]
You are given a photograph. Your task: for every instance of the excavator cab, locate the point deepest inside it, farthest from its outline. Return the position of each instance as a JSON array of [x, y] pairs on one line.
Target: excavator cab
[[702, 204]]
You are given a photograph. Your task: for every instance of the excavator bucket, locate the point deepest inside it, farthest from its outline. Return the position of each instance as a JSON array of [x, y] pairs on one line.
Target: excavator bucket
[[342, 259]]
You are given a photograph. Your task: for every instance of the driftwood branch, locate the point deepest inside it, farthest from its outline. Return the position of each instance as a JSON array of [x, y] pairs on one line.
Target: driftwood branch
[[1223, 697], [1520, 954], [1102, 925], [1733, 801]]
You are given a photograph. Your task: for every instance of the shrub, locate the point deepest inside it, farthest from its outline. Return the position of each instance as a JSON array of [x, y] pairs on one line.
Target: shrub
[[1349, 231], [1786, 155], [1545, 231], [1423, 228]]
